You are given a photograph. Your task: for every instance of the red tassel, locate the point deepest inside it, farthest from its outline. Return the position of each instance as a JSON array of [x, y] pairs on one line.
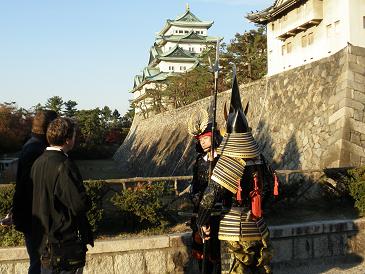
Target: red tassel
[[239, 190], [197, 254], [276, 185], [256, 199]]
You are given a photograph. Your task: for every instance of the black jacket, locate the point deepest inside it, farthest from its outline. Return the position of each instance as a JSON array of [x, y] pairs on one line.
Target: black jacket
[[22, 200], [60, 202]]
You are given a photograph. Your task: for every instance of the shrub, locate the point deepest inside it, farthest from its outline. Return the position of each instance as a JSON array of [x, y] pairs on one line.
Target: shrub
[[96, 191], [8, 235], [142, 206], [356, 185]]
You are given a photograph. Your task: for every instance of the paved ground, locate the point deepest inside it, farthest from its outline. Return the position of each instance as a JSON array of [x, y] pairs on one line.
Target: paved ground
[[353, 265]]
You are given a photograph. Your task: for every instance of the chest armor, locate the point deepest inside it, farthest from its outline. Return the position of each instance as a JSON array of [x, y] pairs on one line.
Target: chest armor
[[201, 176]]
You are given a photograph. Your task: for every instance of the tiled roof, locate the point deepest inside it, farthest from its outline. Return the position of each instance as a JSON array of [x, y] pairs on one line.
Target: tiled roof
[[267, 15]]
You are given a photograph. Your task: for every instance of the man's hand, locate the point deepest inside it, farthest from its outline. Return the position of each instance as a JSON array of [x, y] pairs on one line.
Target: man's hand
[[8, 220], [206, 232]]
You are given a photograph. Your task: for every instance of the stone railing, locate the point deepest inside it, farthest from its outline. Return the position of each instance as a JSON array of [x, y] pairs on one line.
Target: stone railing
[[170, 253]]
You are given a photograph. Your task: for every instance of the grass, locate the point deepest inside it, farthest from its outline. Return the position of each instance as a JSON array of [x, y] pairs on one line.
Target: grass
[[99, 169]]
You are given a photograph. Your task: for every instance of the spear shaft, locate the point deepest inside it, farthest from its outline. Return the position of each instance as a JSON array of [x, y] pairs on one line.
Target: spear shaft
[[214, 107], [211, 158]]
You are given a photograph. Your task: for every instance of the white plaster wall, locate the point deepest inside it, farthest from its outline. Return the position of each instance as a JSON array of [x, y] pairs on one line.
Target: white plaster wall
[[196, 48], [172, 30], [330, 36], [164, 66], [136, 94], [356, 24], [168, 46]]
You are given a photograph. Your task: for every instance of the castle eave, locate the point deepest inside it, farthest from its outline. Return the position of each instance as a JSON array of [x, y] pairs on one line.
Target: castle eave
[[300, 28], [271, 13]]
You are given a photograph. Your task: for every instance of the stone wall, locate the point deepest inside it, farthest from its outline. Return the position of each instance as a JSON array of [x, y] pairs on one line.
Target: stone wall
[[308, 117], [351, 107], [170, 253]]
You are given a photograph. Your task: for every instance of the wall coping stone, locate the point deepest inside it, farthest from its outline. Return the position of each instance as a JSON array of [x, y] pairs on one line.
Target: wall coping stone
[[319, 227], [183, 239]]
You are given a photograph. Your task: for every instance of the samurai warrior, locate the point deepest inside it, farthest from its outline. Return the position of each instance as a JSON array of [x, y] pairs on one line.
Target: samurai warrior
[[201, 129], [241, 173]]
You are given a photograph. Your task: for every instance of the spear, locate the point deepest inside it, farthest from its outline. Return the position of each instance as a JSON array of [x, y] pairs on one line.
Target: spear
[[215, 69]]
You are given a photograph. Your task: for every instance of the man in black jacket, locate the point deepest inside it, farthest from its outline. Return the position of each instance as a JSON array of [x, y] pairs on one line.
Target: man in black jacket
[[23, 196], [60, 204]]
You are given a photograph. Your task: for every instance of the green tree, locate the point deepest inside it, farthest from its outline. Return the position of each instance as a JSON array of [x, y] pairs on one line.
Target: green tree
[[106, 118], [248, 52], [127, 118], [116, 119], [155, 97], [38, 107], [55, 103], [185, 88], [70, 108], [92, 131]]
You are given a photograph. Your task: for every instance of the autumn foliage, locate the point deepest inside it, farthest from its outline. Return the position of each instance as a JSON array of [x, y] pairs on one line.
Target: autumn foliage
[[15, 126], [100, 131]]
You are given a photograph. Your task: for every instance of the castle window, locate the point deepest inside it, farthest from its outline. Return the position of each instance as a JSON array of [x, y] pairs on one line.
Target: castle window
[[289, 47], [337, 27], [329, 30], [363, 22], [171, 68], [283, 50], [304, 41], [310, 38], [186, 31], [299, 9], [180, 31], [272, 26]]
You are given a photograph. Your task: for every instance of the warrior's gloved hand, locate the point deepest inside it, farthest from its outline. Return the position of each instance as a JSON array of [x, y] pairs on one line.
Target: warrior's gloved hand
[[8, 220], [205, 232]]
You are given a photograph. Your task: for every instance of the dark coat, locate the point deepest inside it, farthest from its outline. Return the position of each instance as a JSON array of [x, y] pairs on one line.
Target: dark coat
[[60, 202], [23, 196]]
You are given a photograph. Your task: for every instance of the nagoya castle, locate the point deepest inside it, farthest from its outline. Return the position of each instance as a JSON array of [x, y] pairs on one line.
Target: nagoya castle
[[176, 49]]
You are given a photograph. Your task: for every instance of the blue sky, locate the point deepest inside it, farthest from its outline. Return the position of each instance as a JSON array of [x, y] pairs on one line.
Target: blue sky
[[89, 50]]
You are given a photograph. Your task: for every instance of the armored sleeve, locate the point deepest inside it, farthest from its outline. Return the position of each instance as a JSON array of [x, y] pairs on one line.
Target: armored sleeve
[[214, 192]]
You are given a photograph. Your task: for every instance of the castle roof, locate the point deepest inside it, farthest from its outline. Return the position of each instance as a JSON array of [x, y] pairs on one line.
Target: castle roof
[[188, 19], [177, 54], [191, 37], [137, 80], [153, 74], [276, 10]]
